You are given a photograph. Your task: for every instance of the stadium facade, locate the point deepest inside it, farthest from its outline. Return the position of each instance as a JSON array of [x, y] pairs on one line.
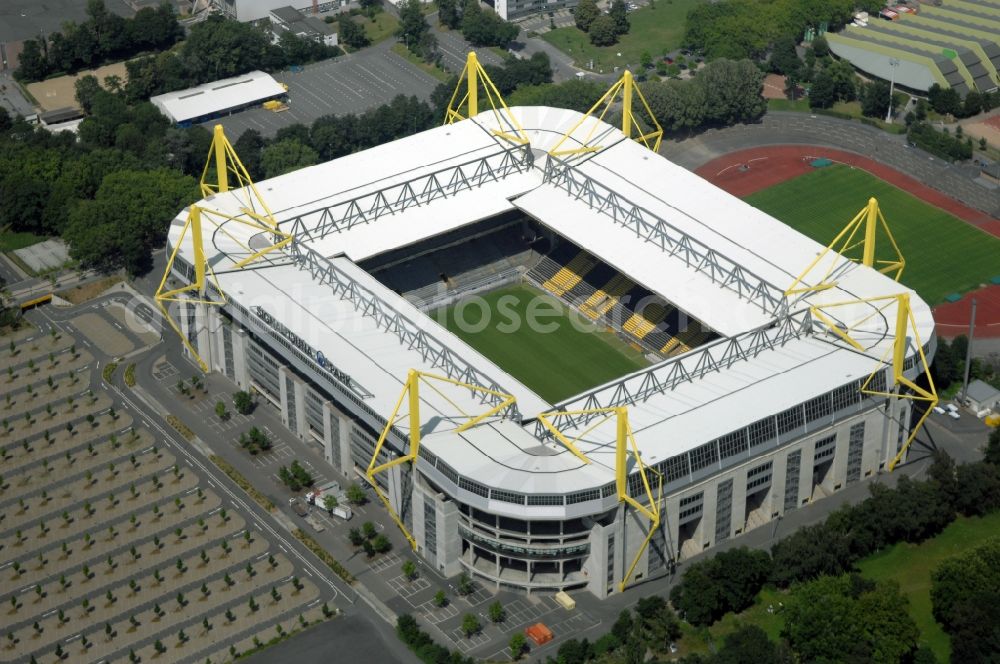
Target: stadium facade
[[752, 405]]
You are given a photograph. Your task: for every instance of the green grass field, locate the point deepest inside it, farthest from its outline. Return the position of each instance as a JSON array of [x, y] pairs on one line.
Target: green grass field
[[943, 254], [11, 241], [656, 29], [911, 565], [556, 363]]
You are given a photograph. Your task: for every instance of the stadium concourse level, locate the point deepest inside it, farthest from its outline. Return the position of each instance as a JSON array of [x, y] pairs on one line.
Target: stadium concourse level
[[511, 248]]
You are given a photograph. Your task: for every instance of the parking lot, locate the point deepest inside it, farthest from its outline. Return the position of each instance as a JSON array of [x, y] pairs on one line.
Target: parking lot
[[349, 84], [127, 546], [454, 48]]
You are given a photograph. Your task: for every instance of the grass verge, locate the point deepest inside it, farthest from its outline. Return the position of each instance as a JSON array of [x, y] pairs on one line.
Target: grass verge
[[323, 555], [84, 292], [540, 341], [943, 254], [382, 27], [130, 375], [180, 427], [655, 29], [237, 477], [109, 371], [433, 70], [12, 240]]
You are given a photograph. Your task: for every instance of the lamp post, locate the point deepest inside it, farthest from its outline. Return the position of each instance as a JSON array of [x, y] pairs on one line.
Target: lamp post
[[893, 63]]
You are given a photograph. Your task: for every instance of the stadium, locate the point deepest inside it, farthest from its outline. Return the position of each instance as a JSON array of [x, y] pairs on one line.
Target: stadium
[[700, 368]]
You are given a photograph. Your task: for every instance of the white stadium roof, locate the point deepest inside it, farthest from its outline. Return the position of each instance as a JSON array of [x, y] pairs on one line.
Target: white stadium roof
[[315, 203], [217, 97]]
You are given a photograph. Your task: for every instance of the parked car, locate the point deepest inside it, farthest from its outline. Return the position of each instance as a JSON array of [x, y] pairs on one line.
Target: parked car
[[939, 410], [953, 414]]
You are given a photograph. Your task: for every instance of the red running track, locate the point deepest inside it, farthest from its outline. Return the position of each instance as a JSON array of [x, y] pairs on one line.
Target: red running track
[[748, 171]]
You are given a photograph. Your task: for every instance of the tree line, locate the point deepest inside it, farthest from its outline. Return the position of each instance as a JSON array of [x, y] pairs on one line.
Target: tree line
[[218, 48], [739, 29], [723, 92], [112, 193], [481, 27], [833, 614], [602, 29], [103, 37]]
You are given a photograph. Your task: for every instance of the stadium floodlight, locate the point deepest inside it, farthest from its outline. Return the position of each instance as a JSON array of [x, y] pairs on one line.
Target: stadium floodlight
[[252, 212], [629, 90], [624, 441], [472, 74], [411, 394], [871, 218], [905, 324]]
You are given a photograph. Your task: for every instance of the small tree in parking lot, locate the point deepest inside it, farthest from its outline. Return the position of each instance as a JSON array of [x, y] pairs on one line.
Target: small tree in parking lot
[[470, 625], [409, 570], [356, 494], [440, 599], [220, 411], [243, 402], [329, 502]]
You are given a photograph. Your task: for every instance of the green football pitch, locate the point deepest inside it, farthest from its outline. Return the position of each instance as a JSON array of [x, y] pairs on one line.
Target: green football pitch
[[943, 254], [558, 355]]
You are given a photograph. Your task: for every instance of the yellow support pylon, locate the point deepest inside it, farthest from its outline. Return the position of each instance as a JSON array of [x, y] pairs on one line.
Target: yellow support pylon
[[472, 74], [411, 394], [869, 218], [253, 213], [624, 442], [905, 324], [629, 90]]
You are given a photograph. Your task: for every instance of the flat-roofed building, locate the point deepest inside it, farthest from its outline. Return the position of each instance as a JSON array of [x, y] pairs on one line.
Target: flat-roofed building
[[218, 98]]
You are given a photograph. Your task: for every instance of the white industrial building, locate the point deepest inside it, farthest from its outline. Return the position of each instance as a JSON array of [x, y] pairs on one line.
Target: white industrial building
[[218, 98], [758, 414]]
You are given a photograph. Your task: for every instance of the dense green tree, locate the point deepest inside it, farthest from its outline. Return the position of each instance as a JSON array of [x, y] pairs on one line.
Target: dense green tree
[[957, 578], [414, 31], [820, 46], [992, 453], [822, 93], [129, 215], [5, 120], [33, 63], [517, 72], [944, 100], [677, 105], [747, 645], [249, 147], [585, 13], [218, 48], [973, 103], [24, 197], [784, 59], [86, 88], [577, 94], [619, 14], [659, 624], [733, 91], [351, 33], [483, 27], [448, 15], [845, 619], [603, 31], [286, 156]]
